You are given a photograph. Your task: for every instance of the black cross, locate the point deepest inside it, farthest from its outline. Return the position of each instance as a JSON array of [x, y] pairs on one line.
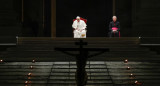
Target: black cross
[[81, 59], [81, 43]]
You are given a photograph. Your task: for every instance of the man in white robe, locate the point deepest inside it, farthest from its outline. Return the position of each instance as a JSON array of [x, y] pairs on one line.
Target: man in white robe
[[79, 28]]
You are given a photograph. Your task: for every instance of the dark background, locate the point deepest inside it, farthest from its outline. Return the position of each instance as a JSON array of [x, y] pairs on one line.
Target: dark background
[[98, 14], [137, 17]]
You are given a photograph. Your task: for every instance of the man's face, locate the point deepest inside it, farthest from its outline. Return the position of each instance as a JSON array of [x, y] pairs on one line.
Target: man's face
[[114, 19], [78, 19]]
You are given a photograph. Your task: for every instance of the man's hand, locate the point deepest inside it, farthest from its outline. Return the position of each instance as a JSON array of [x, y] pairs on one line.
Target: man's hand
[[115, 31]]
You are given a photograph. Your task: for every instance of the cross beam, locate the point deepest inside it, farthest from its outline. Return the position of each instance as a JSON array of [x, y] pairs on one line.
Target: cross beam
[[81, 59]]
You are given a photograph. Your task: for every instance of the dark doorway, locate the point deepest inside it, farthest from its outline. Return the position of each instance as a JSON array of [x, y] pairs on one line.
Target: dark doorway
[[98, 13]]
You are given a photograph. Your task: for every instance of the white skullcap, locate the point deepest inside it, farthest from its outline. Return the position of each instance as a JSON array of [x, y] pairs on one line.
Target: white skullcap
[[78, 17]]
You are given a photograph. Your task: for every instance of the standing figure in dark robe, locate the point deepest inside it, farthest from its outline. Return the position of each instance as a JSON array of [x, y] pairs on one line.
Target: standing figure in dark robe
[[114, 28]]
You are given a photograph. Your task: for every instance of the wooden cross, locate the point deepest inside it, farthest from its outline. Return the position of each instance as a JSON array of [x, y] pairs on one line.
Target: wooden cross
[[81, 59], [81, 43]]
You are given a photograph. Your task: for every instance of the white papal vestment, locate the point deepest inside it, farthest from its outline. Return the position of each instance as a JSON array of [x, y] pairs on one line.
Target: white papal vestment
[[80, 29]]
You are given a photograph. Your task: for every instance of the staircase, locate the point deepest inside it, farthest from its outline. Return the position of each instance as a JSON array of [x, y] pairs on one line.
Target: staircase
[[42, 49], [108, 73], [54, 68]]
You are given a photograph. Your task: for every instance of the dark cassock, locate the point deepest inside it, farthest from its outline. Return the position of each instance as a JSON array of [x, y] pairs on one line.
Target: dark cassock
[[114, 29]]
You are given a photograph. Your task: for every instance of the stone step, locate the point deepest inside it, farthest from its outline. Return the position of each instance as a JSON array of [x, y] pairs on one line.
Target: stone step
[[62, 78], [52, 85], [149, 40], [87, 69], [112, 51], [57, 81], [73, 67], [91, 66], [72, 39], [73, 45], [72, 74], [99, 77], [111, 58], [52, 49], [41, 55], [73, 63], [89, 39], [73, 82]]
